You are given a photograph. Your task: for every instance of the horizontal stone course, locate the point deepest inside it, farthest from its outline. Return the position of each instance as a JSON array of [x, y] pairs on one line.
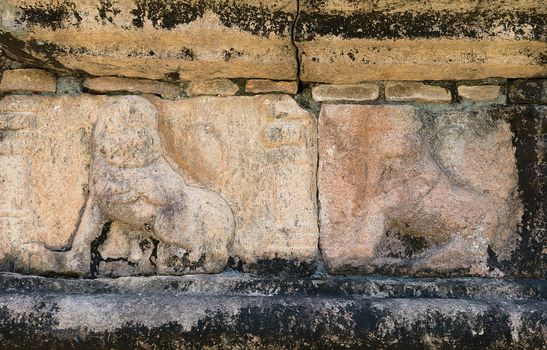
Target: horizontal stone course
[[28, 80], [265, 314], [350, 41], [181, 40]]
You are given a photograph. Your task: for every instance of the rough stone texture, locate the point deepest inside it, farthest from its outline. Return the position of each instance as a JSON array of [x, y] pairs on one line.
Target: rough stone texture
[[348, 41], [345, 92], [248, 159], [155, 39], [236, 312], [529, 124], [528, 91], [215, 87], [117, 84], [416, 91], [405, 191], [28, 80], [258, 86], [126, 252], [260, 154], [479, 93], [44, 162]]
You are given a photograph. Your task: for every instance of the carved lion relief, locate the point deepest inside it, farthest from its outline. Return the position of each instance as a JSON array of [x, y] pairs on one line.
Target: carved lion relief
[[132, 183]]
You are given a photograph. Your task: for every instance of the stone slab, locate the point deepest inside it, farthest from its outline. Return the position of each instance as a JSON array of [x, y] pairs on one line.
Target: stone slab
[[161, 39], [28, 80], [107, 185], [416, 92], [38, 313], [350, 41], [478, 93], [260, 86], [345, 92], [143, 86], [417, 191], [213, 87]]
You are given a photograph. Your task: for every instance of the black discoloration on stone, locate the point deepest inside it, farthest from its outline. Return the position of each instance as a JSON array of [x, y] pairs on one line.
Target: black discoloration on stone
[[529, 125], [107, 11], [231, 53], [167, 14], [53, 15], [281, 267], [96, 257], [259, 322], [231, 284], [18, 48], [186, 54], [401, 246], [173, 76], [426, 25], [183, 263], [528, 91]]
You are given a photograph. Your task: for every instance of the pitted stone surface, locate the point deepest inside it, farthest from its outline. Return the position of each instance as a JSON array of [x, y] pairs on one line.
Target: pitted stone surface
[[155, 39], [405, 191]]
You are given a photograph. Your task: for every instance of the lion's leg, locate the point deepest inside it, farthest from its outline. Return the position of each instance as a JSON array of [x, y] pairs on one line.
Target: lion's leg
[[78, 259]]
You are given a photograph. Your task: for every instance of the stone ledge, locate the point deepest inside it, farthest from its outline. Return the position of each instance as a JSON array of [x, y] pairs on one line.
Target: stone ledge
[[200, 311]]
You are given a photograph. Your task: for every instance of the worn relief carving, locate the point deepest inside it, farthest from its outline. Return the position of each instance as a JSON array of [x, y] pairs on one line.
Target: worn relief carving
[[127, 185], [134, 188], [415, 193]]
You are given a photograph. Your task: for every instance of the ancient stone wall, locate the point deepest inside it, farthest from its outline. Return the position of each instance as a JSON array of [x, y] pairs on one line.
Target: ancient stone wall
[[291, 148]]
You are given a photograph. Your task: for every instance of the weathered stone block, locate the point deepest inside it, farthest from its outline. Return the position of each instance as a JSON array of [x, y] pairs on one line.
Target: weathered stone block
[[350, 41], [416, 91], [260, 86], [403, 190], [260, 154], [155, 39], [120, 185], [528, 91], [214, 87], [345, 92], [28, 80], [479, 93], [144, 86]]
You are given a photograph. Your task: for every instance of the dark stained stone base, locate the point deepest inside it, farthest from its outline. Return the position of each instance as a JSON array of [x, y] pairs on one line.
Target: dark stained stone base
[[237, 311]]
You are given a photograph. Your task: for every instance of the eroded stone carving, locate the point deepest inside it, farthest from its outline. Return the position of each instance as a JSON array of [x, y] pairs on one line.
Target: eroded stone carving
[[134, 184], [260, 153], [126, 185], [416, 193]]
